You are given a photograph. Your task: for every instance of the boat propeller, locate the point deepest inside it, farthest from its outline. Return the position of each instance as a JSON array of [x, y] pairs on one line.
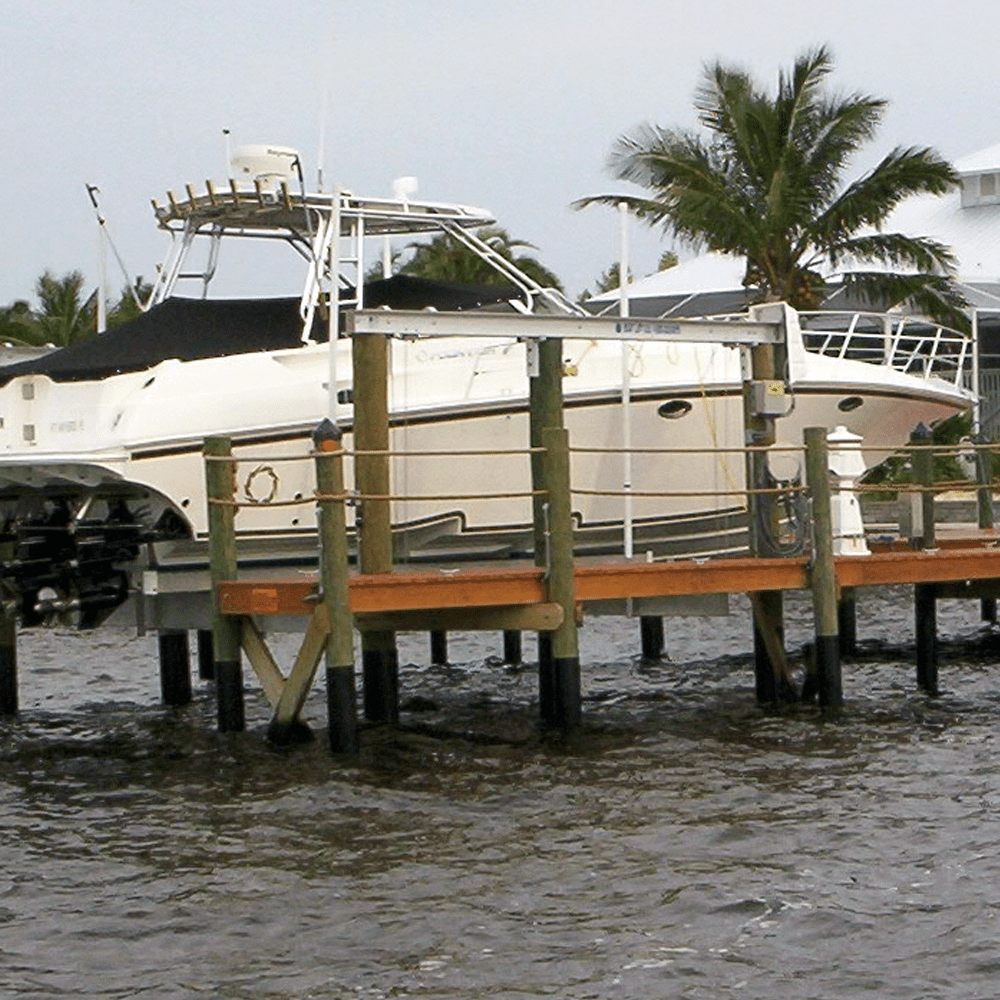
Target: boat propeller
[[68, 562]]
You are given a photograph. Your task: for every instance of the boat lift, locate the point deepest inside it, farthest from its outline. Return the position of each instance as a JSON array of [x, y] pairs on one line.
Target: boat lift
[[767, 326], [761, 340]]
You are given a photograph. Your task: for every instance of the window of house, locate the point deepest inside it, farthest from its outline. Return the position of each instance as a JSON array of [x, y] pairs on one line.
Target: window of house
[[981, 189]]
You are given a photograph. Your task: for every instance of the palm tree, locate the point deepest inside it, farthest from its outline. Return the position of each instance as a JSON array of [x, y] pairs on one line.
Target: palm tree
[[767, 185], [17, 324], [134, 299], [668, 259], [446, 258], [64, 317], [607, 281]]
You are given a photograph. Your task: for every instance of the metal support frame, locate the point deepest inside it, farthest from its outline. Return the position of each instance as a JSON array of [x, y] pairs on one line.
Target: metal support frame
[[421, 323], [512, 273]]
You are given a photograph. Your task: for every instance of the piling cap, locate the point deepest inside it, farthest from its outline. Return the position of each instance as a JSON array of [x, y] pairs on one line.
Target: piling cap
[[326, 430], [841, 437], [845, 457]]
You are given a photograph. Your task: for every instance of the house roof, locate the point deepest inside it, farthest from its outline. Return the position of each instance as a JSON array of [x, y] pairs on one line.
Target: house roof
[[974, 163], [972, 233]]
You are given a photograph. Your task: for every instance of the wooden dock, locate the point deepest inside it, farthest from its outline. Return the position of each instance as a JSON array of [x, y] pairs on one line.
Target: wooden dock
[[550, 597], [471, 599], [515, 598]]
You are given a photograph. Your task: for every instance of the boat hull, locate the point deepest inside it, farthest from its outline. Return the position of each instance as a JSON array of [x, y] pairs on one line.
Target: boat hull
[[118, 463]]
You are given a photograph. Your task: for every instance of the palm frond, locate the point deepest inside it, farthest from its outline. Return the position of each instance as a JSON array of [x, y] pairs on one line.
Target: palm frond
[[868, 201], [766, 183], [934, 295], [895, 250]]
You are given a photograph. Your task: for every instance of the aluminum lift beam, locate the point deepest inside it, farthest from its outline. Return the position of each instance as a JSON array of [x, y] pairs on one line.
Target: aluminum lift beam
[[425, 323]]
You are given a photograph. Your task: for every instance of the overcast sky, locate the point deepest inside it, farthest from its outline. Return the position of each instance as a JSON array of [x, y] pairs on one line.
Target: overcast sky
[[511, 105]]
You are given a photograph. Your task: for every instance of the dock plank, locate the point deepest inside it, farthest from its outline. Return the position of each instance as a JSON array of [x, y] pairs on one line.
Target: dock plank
[[410, 592]]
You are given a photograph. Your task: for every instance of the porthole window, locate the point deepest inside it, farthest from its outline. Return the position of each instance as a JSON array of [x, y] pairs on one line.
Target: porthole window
[[849, 403], [674, 409]]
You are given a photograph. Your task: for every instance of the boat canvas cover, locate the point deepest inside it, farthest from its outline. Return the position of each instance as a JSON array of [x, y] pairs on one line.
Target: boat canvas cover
[[190, 329]]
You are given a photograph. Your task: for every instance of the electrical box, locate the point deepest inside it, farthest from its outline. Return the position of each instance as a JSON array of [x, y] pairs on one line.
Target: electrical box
[[531, 358], [767, 398]]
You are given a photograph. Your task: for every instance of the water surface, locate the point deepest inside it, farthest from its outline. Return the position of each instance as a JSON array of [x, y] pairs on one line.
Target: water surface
[[684, 844]]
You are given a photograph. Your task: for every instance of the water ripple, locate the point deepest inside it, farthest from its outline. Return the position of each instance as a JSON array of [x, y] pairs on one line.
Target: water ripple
[[684, 844]]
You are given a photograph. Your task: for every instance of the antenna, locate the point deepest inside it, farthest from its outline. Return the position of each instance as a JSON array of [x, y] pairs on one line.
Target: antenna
[[324, 69], [321, 152], [105, 235], [297, 166], [229, 152], [102, 258]]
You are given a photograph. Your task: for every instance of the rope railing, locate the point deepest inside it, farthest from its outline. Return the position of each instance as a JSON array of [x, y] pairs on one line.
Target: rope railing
[[390, 453], [263, 459], [760, 490], [946, 449], [354, 498], [687, 451], [942, 486], [786, 489], [894, 451]]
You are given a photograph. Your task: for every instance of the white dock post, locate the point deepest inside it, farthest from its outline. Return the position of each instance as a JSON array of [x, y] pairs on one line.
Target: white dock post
[[848, 465]]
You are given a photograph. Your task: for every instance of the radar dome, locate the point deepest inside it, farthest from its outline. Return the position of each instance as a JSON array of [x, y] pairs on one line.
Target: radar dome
[[268, 164]]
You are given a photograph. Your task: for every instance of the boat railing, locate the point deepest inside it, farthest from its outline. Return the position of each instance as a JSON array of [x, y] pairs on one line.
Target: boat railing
[[907, 344], [314, 225], [910, 344]]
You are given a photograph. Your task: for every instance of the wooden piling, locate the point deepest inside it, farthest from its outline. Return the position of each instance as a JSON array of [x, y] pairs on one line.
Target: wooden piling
[[984, 510], [772, 671], [765, 684], [651, 636], [206, 658], [175, 667], [988, 610], [8, 662], [512, 647], [379, 657], [759, 433], [546, 680], [221, 489], [341, 697], [984, 473], [771, 668], [545, 409], [823, 579], [439, 647], [925, 595], [847, 622], [925, 622], [560, 582], [922, 462]]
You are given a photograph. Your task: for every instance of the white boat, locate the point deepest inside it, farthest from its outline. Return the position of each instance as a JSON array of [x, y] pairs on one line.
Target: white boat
[[101, 474]]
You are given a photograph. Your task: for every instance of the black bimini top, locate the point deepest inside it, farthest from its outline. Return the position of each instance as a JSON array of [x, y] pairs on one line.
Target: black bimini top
[[190, 329]]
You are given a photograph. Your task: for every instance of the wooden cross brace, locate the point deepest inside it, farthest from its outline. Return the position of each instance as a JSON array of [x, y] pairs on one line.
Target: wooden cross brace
[[287, 695]]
